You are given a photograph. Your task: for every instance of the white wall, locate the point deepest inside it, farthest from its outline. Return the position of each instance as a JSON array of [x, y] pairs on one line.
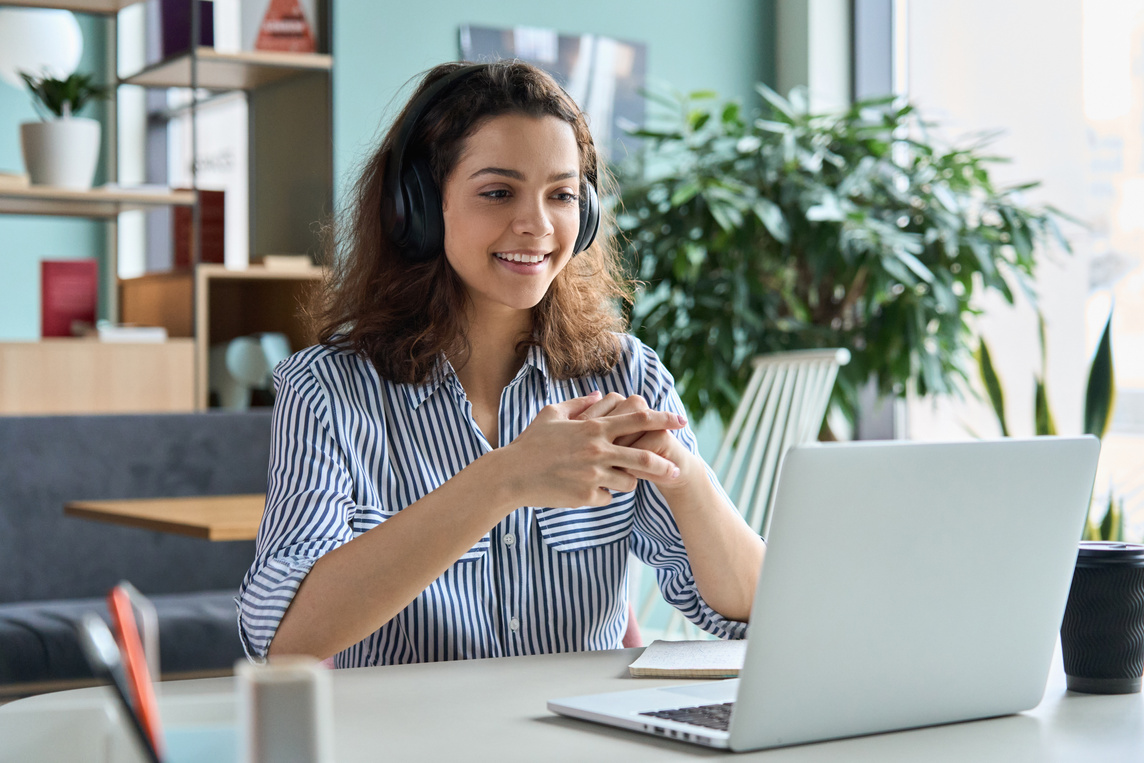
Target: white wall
[[1015, 65], [812, 49]]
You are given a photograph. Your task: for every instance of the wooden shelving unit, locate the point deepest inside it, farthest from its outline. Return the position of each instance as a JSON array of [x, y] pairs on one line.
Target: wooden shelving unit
[[98, 7], [104, 202], [230, 71], [83, 376], [215, 305], [291, 169]]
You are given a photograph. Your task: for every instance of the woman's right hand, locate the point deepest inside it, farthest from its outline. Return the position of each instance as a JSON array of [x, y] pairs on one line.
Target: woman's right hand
[[559, 460]]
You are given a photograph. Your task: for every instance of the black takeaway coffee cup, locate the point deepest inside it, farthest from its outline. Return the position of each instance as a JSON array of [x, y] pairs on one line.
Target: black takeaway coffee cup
[[1102, 636]]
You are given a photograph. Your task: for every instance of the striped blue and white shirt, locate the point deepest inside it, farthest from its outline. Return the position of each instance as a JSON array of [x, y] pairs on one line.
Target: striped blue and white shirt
[[350, 450]]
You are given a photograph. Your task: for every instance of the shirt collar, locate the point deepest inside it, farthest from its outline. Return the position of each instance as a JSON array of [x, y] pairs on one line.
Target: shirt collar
[[538, 360], [443, 372]]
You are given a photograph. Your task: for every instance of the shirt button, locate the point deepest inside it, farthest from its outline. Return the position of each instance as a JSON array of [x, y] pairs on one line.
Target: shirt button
[[514, 625], [509, 539]]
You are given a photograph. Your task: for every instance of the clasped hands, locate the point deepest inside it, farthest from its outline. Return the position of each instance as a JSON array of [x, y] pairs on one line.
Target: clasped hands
[[576, 453]]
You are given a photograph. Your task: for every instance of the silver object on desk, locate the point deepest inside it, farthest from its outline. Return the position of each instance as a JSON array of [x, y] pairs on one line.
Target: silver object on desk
[[285, 710]]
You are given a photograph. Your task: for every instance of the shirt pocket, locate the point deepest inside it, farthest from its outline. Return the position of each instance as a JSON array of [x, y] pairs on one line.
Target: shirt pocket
[[587, 526], [368, 517]]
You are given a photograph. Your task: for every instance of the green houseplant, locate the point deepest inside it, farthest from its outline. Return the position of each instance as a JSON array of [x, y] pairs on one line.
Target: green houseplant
[[802, 230], [62, 149], [1099, 403]]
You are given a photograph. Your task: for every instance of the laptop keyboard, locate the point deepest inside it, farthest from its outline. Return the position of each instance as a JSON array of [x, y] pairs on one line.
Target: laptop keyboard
[[707, 716]]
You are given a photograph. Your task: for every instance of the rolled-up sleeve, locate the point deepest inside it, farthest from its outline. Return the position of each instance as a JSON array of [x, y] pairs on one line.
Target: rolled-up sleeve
[[655, 538], [309, 507]]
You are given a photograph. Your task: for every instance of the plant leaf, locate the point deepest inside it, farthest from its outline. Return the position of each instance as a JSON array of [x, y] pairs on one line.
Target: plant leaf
[[1111, 527], [684, 193], [1043, 416], [914, 264], [777, 102], [1100, 393], [1091, 530], [730, 113], [992, 385], [773, 219]]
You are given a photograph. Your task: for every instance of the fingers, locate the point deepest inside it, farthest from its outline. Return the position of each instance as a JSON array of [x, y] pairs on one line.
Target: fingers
[[602, 407], [612, 404], [643, 464], [629, 439], [573, 407], [619, 481], [640, 421]]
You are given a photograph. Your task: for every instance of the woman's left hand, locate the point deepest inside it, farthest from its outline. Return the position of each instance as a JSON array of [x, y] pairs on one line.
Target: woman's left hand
[[660, 442]]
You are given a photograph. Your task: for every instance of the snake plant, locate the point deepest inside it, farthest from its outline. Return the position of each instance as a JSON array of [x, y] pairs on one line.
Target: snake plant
[[1099, 402]]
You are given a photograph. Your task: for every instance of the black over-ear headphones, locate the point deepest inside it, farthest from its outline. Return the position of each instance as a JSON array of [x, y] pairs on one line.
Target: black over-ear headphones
[[418, 222]]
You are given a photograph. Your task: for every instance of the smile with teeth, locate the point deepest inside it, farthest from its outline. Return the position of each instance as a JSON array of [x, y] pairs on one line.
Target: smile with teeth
[[530, 259]]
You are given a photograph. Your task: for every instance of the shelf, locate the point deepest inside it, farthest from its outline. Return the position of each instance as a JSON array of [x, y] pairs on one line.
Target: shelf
[[79, 6], [100, 202], [231, 71], [86, 376]]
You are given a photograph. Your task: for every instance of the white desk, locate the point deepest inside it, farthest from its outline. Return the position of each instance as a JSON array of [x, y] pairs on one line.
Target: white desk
[[495, 710]]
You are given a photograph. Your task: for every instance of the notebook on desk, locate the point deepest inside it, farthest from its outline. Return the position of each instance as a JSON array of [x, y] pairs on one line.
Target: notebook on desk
[[904, 585], [689, 659]]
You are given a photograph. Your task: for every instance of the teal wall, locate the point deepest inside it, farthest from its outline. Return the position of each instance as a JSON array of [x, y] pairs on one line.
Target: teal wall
[[726, 45], [26, 240]]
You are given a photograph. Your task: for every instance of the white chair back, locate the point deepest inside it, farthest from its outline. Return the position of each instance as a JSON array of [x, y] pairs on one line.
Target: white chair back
[[784, 404]]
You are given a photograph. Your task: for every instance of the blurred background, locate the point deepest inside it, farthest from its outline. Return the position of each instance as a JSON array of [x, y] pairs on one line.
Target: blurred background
[[275, 127]]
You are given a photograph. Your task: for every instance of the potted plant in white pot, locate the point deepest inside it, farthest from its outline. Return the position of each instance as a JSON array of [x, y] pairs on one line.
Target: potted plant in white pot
[[63, 149]]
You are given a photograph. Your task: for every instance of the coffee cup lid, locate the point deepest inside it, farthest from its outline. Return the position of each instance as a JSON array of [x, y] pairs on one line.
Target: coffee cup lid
[[1110, 552]]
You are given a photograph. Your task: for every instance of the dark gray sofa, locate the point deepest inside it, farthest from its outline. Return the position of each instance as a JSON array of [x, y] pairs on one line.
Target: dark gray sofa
[[54, 567]]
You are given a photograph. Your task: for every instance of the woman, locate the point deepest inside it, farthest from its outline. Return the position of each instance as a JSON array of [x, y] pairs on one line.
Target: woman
[[471, 385]]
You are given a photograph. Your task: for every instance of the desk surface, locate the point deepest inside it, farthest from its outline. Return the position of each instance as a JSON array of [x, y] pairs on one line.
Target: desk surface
[[495, 709], [220, 517]]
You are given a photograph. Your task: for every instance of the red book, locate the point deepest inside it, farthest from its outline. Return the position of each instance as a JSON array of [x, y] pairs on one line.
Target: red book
[[69, 292], [212, 205]]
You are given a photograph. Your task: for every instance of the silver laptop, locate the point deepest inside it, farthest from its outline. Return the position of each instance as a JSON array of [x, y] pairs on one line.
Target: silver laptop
[[904, 585]]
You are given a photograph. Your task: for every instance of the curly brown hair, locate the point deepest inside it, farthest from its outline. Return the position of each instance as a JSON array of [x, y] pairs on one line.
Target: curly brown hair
[[402, 315]]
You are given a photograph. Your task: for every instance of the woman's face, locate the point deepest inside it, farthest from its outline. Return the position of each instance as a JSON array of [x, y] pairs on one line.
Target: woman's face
[[511, 210]]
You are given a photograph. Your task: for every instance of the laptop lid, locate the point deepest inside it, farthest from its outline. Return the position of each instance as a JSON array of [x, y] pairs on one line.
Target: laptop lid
[[909, 584]]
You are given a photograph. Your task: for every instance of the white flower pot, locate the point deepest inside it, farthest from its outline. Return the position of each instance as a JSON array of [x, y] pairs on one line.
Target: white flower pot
[[62, 152]]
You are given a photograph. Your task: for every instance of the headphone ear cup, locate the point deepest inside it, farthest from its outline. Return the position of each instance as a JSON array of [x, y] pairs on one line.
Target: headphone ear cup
[[424, 222], [589, 218]]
